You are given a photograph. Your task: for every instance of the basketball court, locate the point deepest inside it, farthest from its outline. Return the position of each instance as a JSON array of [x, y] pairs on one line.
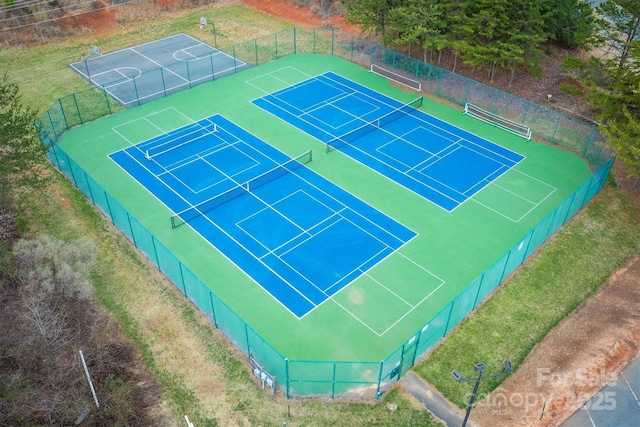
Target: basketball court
[[153, 70]]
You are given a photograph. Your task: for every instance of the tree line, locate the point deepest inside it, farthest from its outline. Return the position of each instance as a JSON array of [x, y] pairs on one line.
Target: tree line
[[505, 34], [47, 311], [490, 34]]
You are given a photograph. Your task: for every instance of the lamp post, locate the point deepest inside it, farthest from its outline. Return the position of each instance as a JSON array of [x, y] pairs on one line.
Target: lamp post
[[479, 368]]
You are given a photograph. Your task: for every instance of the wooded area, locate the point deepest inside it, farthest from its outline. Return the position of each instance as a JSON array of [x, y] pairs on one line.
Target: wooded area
[[506, 34]]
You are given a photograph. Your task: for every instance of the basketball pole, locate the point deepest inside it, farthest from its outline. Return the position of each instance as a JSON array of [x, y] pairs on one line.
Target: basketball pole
[[204, 23], [94, 52]]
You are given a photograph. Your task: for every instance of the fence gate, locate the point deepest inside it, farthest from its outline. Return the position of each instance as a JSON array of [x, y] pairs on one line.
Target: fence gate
[[408, 358]]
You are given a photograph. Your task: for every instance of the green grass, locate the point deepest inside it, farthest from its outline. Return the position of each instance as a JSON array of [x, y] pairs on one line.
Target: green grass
[[549, 287], [565, 272], [122, 274], [120, 270], [42, 72]]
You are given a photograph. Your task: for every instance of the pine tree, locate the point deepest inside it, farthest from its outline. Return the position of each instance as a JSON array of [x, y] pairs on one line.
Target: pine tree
[[20, 148]]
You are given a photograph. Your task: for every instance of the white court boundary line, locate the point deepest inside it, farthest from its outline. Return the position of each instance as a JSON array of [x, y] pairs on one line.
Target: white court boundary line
[[283, 280], [408, 312], [236, 63], [429, 125], [272, 75], [534, 204]]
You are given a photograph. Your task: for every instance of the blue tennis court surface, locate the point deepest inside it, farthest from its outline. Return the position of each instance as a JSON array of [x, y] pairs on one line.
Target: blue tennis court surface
[[442, 163], [296, 234]]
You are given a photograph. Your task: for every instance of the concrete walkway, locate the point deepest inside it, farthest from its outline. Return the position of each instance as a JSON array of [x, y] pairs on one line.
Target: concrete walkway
[[432, 400], [616, 405]]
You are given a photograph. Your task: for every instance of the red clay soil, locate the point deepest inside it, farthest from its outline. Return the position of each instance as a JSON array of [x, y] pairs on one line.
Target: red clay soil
[[98, 19], [574, 361], [301, 15]]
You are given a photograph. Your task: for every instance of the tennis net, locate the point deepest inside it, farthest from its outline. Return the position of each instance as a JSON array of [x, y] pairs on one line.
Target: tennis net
[[361, 131], [396, 77], [202, 208]]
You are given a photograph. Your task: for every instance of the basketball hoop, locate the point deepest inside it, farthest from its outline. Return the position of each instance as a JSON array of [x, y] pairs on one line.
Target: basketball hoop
[[95, 51], [203, 22]]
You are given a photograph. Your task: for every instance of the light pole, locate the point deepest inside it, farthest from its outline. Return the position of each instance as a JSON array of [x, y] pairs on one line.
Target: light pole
[[480, 368]]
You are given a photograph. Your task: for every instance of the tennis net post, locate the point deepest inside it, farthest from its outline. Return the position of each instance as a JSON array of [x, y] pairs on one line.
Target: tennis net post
[[368, 127]]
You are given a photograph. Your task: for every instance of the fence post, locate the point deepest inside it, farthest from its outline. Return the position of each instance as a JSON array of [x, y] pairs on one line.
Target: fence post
[[466, 92], [55, 134], [589, 140], [133, 235], [155, 251], [164, 86], [64, 116], [186, 63], [286, 376], [333, 38], [86, 179], [106, 197], [553, 137], [235, 63], [373, 49], [135, 88], [73, 175], [275, 40], [75, 101], [379, 379], [415, 350], [353, 41], [526, 111], [333, 381], [184, 286], [255, 49], [213, 311], [446, 326], [246, 337], [294, 41], [106, 99], [213, 72]]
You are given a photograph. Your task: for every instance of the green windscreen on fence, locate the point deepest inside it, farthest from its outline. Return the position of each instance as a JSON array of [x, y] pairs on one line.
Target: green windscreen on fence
[[367, 378]]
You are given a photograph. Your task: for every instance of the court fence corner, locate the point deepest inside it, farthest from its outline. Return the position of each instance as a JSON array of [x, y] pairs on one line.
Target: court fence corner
[[336, 379]]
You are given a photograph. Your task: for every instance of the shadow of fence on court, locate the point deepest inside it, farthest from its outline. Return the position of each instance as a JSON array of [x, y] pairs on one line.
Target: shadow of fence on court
[[362, 379]]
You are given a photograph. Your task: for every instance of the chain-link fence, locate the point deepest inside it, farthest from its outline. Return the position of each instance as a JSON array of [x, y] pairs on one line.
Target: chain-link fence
[[363, 379]]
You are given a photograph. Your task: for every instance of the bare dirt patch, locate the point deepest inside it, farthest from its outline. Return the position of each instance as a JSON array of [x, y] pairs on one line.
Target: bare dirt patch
[[575, 360], [101, 17], [301, 15]]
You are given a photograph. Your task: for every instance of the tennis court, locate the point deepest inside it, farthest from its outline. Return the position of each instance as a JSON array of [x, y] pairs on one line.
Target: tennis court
[[300, 237], [438, 161], [322, 264], [149, 71]]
